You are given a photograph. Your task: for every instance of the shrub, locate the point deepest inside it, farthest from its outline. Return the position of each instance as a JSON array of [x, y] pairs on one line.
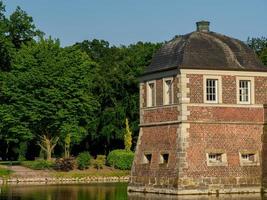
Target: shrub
[[65, 164], [83, 160], [100, 161], [120, 159], [38, 164]]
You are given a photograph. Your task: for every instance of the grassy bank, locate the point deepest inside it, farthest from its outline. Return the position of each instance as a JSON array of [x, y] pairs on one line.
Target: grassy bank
[[106, 172], [5, 172]]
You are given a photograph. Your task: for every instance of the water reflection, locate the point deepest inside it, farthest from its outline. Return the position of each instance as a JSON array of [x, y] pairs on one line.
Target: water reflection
[[66, 192], [137, 196], [114, 191]]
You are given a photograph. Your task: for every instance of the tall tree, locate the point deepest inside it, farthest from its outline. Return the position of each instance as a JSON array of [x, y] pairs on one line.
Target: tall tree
[[21, 28], [48, 88], [6, 46]]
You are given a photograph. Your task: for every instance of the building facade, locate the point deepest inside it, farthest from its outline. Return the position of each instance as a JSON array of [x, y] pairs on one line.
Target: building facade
[[202, 116]]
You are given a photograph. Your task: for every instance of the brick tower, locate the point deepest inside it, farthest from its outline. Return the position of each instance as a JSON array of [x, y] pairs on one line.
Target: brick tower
[[201, 117]]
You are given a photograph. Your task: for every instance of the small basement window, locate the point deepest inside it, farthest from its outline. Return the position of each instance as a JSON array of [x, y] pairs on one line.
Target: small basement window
[[249, 159], [147, 158], [216, 159], [164, 158]]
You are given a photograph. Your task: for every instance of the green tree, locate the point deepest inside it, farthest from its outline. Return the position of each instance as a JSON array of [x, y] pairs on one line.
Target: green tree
[[21, 28], [263, 56], [257, 44], [127, 136], [116, 88], [6, 46], [48, 88]]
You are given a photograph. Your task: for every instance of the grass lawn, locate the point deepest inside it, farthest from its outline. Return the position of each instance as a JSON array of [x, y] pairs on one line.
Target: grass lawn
[[5, 172]]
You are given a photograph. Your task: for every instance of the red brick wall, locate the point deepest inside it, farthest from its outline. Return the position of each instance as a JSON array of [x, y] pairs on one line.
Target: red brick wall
[[261, 90], [229, 89], [232, 139], [156, 140], [196, 88], [159, 92], [231, 114], [161, 114]]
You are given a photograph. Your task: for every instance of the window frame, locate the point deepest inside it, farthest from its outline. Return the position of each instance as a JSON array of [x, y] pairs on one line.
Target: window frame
[[244, 162], [223, 161], [164, 87], [145, 160], [218, 89], [149, 101], [162, 160], [251, 98]]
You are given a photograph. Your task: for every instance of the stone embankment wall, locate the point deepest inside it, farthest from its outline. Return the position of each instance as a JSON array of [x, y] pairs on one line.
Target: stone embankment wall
[[49, 180]]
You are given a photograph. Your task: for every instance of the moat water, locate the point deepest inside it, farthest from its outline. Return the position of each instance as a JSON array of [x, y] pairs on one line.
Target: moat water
[[109, 191]]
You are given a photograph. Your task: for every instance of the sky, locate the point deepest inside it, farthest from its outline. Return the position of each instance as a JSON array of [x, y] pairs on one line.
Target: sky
[[122, 22]]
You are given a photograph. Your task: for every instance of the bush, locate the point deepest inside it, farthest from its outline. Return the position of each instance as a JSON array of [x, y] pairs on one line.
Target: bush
[[38, 164], [83, 160], [120, 159], [65, 164], [100, 161]]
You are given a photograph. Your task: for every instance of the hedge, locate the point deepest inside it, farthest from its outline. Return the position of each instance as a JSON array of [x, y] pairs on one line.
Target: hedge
[[120, 159]]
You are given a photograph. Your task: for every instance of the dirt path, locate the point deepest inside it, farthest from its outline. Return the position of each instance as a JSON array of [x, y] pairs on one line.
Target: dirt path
[[24, 172]]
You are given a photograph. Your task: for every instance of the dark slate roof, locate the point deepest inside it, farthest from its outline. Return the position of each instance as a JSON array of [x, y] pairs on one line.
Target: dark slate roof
[[205, 50]]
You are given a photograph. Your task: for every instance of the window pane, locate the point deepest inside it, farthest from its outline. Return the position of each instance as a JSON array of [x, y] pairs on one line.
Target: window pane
[[211, 90], [151, 94], [244, 90]]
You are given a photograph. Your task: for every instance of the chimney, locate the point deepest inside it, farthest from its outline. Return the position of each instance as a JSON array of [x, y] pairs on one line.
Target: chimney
[[203, 26]]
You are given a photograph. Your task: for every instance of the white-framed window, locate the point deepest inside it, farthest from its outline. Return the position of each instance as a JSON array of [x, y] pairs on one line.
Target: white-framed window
[[249, 158], [216, 159], [212, 89], [151, 93], [167, 91], [245, 90]]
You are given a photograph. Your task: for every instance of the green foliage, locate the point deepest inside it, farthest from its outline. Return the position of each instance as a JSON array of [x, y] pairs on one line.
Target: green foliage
[[83, 92], [263, 56], [100, 161], [22, 151], [83, 160], [21, 28], [127, 136], [120, 159], [5, 172], [65, 164], [38, 164], [116, 88], [257, 44]]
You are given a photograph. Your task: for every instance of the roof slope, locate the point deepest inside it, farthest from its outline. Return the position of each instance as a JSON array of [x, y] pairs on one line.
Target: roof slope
[[205, 50]]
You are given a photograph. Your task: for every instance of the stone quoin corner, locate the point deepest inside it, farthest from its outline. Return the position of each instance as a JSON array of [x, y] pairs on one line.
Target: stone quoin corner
[[202, 118]]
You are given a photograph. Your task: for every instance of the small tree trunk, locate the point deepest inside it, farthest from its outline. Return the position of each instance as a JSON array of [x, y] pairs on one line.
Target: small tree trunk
[[48, 145]]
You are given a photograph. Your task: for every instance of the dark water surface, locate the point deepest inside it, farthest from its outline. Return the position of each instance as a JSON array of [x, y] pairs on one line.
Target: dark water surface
[[109, 191]]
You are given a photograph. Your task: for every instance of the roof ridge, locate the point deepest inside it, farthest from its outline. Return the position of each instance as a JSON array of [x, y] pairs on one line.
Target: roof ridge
[[229, 54]]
